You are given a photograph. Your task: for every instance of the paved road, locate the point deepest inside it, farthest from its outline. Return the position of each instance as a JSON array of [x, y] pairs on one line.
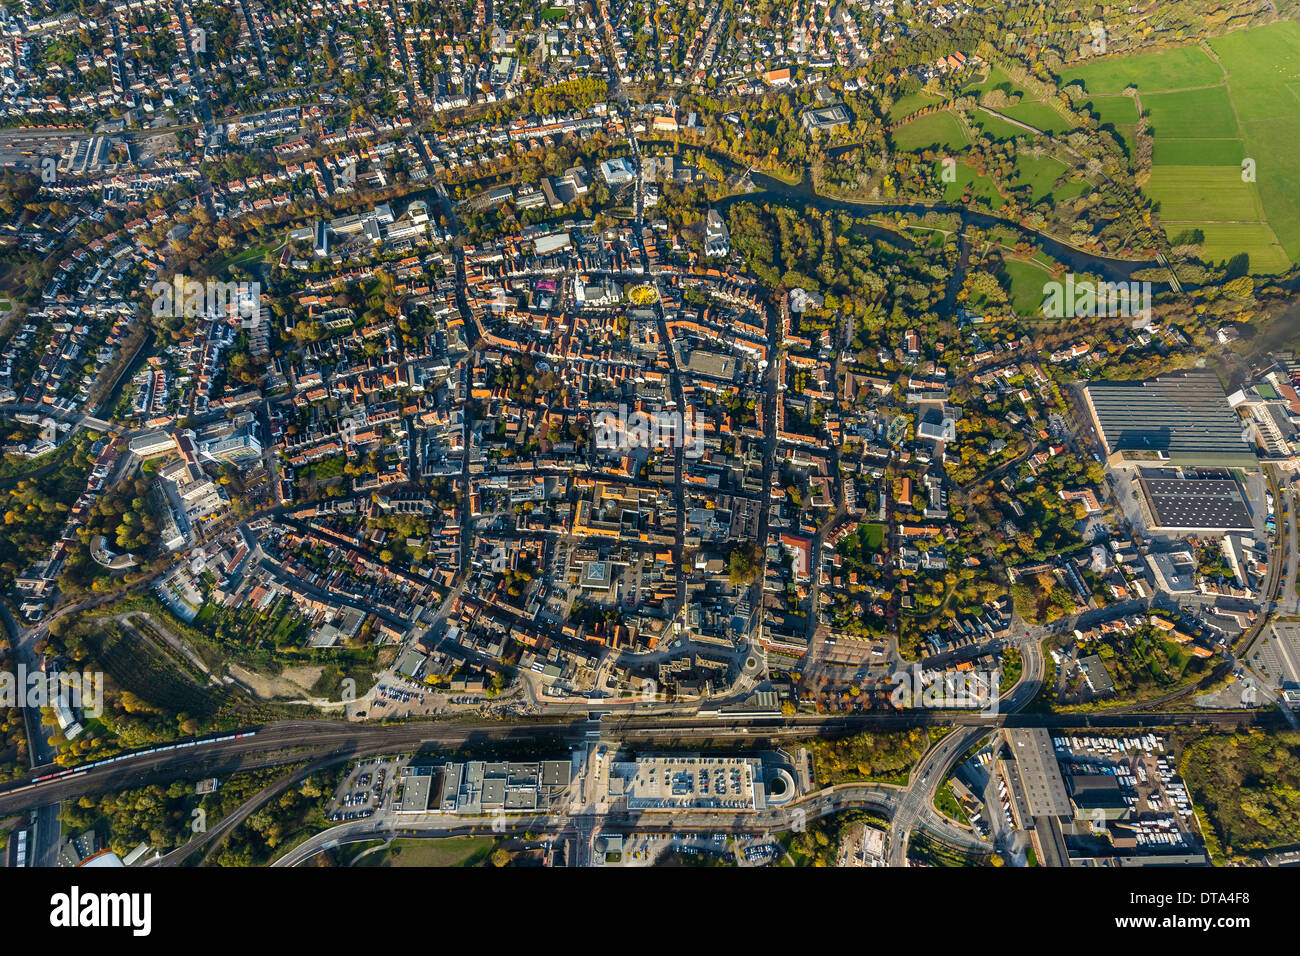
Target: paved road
[[584, 825], [288, 742], [917, 804]]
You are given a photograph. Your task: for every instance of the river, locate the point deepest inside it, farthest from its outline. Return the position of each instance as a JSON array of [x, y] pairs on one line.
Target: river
[[803, 194]]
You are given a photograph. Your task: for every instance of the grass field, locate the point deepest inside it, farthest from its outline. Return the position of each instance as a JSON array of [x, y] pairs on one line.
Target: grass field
[[1223, 240], [1199, 152], [936, 129], [448, 851], [1117, 110], [996, 79], [1026, 280], [997, 128], [1038, 115], [1200, 114], [1040, 172], [1229, 211], [1264, 68], [1203, 194], [1207, 117], [873, 535], [982, 187], [905, 106], [1172, 69]]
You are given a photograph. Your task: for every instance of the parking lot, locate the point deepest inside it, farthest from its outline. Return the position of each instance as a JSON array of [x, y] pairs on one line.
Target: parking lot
[[368, 786]]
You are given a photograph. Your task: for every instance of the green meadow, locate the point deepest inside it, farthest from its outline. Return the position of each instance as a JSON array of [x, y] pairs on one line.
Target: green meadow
[[905, 106], [1173, 69], [1207, 118], [934, 129]]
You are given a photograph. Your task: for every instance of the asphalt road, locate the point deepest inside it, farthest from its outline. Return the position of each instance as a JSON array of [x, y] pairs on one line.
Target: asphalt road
[[294, 741]]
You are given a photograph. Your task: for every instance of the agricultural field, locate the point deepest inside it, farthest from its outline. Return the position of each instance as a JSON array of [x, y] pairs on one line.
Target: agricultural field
[[1199, 152], [1264, 76], [1207, 118], [1173, 69], [1190, 194], [1191, 114]]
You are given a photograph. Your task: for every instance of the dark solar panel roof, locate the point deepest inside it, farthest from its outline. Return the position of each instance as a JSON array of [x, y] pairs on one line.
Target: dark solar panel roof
[[1197, 503]]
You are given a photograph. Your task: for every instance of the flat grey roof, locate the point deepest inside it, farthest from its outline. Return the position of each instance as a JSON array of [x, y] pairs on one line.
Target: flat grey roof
[[415, 793], [556, 773], [1186, 416], [1039, 775]]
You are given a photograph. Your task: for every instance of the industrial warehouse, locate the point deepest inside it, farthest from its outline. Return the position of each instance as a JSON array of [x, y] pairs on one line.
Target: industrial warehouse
[[1180, 419], [1194, 502]]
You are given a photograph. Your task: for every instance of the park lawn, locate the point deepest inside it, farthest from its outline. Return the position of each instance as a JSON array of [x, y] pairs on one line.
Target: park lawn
[[981, 187], [1172, 69], [250, 256], [995, 127], [1039, 173], [1188, 114], [1198, 152], [934, 129], [1026, 280], [905, 106], [995, 78], [1038, 115], [1264, 64]]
